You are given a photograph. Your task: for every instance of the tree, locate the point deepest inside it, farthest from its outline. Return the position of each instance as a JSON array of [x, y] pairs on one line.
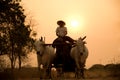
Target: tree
[[14, 34]]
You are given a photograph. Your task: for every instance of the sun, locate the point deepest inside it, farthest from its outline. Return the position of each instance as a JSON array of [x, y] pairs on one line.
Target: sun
[[74, 23]]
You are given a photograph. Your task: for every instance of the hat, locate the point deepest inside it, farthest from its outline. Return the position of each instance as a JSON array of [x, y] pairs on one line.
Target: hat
[[60, 22]]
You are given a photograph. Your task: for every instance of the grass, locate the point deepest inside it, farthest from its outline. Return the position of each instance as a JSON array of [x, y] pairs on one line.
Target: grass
[[96, 72]]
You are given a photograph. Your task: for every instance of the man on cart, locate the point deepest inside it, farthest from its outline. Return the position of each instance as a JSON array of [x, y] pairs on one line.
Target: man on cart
[[63, 44]]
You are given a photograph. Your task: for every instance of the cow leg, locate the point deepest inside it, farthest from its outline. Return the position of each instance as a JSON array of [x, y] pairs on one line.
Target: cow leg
[[82, 70], [48, 71], [81, 73], [77, 73], [39, 61], [77, 69]]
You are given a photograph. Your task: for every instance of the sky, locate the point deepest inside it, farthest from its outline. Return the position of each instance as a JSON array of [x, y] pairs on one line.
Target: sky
[[99, 20]]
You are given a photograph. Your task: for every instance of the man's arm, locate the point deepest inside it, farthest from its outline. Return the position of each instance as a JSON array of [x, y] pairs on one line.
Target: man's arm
[[57, 32]]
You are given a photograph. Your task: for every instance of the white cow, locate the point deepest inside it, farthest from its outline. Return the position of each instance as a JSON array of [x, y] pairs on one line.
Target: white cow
[[45, 54], [79, 53]]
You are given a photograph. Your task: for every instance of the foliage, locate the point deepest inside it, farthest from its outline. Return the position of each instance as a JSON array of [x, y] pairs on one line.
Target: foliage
[[15, 37]]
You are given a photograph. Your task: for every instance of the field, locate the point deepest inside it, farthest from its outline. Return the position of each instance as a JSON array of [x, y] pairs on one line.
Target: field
[[96, 72]]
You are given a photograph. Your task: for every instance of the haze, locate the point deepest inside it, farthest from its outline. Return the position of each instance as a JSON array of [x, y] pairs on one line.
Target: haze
[[99, 20]]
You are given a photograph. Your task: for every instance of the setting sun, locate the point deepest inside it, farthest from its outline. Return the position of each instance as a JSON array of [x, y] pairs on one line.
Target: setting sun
[[74, 23]]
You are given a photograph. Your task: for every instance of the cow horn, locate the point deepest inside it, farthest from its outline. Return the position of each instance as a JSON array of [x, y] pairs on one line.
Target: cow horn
[[41, 38], [83, 37]]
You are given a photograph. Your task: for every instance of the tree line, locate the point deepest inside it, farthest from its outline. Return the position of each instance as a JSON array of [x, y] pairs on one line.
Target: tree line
[[15, 36]]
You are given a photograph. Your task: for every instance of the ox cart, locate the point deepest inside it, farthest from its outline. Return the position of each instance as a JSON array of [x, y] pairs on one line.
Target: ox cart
[[66, 58]]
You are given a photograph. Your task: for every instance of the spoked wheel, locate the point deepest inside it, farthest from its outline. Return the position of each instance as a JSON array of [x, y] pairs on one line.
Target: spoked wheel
[[57, 72], [60, 70]]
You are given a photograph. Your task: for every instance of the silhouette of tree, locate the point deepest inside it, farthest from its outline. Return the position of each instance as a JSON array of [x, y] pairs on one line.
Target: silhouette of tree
[[15, 39]]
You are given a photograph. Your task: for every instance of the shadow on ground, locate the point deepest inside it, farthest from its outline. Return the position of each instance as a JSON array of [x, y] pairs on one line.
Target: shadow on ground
[[96, 72]]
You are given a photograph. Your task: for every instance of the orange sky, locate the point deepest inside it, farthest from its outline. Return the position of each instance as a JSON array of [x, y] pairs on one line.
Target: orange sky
[[99, 20]]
